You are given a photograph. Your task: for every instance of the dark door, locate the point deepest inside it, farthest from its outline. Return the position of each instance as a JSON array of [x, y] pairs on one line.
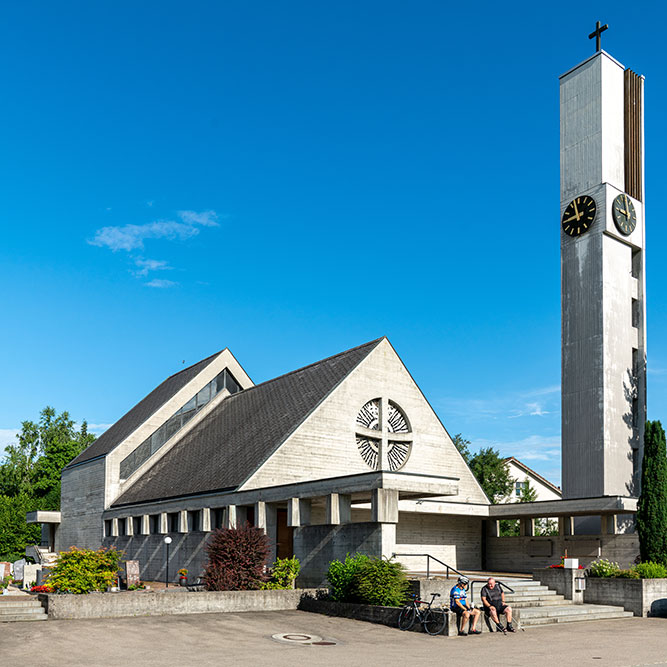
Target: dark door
[[285, 545]]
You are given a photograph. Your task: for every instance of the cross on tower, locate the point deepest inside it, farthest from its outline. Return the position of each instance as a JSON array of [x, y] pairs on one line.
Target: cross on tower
[[597, 33]]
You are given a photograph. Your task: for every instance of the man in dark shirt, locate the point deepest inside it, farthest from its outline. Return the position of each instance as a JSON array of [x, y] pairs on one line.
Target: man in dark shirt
[[493, 599]]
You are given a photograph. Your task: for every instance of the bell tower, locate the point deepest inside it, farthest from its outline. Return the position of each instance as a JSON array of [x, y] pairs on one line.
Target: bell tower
[[603, 310]]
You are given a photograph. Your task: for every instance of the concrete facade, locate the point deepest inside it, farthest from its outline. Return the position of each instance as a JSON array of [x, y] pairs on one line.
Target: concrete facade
[[603, 287]]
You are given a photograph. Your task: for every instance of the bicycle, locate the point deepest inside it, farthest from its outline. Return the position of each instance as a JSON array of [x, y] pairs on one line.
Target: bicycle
[[433, 622]]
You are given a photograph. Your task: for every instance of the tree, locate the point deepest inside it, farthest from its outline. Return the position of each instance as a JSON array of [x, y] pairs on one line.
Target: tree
[[463, 446], [30, 475], [528, 493], [33, 466], [652, 505], [492, 473]]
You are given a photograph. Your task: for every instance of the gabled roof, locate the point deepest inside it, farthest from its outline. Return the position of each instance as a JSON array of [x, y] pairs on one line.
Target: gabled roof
[[530, 471], [233, 441], [133, 419]]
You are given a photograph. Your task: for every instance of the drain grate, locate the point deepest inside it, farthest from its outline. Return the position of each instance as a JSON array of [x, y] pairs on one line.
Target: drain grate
[[302, 639]]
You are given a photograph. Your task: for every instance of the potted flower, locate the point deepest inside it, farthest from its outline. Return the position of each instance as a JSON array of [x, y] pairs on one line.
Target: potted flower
[[183, 577]]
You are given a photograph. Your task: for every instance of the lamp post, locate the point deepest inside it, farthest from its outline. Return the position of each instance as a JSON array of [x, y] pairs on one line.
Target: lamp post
[[167, 541]]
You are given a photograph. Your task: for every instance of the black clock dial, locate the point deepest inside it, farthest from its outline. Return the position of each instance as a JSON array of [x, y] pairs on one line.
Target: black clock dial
[[579, 215], [625, 216]]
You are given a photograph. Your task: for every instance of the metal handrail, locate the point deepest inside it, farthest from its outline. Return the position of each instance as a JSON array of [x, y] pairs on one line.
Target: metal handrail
[[428, 564]]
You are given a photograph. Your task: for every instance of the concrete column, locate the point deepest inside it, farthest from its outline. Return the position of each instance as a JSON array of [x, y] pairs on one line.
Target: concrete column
[[493, 528], [609, 524], [298, 512], [384, 505], [565, 525], [164, 525], [205, 519], [527, 527], [183, 521], [338, 509], [260, 514], [230, 520], [145, 524], [388, 546], [114, 527], [129, 526]]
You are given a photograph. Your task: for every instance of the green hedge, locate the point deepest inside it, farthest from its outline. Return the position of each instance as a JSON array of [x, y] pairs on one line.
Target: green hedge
[[84, 570]]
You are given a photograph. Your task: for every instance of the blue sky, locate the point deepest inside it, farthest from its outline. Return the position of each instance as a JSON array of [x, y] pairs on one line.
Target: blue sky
[[293, 179]]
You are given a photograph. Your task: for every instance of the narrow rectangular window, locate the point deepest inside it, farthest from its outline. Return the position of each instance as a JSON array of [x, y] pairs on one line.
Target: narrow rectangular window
[[172, 522], [136, 525], [107, 528]]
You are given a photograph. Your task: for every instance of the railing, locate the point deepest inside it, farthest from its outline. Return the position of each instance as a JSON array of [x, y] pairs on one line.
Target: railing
[[429, 558]]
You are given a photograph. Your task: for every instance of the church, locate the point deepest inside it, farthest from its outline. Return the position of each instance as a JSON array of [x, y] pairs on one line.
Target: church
[[347, 454], [341, 456]]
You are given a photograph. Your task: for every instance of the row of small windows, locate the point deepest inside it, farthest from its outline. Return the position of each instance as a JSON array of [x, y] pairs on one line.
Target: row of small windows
[[182, 416], [194, 519]]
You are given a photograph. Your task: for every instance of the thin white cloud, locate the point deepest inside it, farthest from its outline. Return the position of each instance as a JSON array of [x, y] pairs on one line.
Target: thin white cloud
[[205, 218], [505, 405], [132, 237], [97, 429], [146, 265], [161, 284]]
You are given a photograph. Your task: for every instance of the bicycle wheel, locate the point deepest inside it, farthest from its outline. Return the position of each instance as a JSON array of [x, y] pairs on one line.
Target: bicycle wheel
[[406, 619], [434, 621]]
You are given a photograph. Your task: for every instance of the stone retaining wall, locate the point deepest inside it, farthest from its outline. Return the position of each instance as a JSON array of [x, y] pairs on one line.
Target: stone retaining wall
[[152, 603], [643, 597]]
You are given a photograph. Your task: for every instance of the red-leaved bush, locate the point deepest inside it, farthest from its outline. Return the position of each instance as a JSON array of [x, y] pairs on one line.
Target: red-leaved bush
[[237, 559]]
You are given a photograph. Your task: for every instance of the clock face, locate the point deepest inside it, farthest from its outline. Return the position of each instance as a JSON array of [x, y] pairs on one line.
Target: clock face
[[625, 216], [579, 215]]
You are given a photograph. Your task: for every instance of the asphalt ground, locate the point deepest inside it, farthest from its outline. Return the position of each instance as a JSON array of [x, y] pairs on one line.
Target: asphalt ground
[[246, 639]]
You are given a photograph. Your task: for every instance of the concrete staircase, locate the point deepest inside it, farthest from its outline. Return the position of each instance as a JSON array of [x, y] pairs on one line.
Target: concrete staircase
[[539, 605], [21, 608]]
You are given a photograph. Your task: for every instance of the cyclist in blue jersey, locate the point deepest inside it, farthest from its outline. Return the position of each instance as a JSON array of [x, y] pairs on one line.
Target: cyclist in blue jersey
[[458, 603]]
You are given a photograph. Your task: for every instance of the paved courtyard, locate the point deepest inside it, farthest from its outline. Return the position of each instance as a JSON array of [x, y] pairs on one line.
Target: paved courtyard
[[240, 639]]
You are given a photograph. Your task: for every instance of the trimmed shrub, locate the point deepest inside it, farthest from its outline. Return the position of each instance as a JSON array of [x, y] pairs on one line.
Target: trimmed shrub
[[381, 582], [282, 574], [650, 570], [628, 574], [341, 577], [603, 568], [84, 570], [237, 558], [652, 504]]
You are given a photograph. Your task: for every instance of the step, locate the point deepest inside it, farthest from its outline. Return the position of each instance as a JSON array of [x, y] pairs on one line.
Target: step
[[529, 604], [581, 610], [24, 617], [12, 607], [21, 612], [596, 616]]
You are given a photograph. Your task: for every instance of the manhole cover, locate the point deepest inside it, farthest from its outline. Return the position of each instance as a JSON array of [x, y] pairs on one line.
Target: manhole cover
[[302, 639]]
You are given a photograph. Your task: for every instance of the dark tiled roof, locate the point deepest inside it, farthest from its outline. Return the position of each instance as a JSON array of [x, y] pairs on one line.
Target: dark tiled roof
[[232, 442], [141, 412]]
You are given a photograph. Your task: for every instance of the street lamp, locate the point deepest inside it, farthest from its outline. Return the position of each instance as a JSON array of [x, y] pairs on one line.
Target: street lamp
[[167, 541]]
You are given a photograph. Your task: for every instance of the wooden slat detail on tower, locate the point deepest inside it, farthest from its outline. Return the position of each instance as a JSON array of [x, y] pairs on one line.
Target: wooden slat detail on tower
[[633, 134]]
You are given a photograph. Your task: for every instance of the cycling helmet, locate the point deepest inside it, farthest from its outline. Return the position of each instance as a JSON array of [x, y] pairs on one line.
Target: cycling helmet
[[464, 580]]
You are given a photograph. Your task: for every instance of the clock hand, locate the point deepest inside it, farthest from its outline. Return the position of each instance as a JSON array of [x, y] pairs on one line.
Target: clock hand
[[574, 217], [576, 210]]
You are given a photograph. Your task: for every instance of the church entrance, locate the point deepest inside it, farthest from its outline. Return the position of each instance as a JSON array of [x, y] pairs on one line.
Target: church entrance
[[284, 536]]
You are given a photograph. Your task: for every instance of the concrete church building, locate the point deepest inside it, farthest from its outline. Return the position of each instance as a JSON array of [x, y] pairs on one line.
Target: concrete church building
[[341, 456], [347, 454]]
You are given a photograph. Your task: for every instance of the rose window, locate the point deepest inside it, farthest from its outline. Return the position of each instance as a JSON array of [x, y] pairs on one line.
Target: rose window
[[372, 427]]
